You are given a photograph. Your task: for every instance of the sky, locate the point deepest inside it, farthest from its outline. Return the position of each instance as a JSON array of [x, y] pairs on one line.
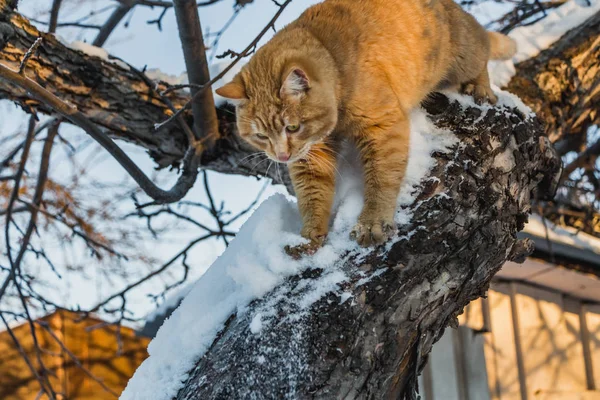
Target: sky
[[142, 44]]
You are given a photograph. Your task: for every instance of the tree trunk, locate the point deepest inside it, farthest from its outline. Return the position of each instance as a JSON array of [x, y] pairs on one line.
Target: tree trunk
[[562, 85], [375, 344]]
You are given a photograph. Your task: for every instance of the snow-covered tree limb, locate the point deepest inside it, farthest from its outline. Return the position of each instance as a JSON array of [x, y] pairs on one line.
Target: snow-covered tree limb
[[562, 85], [372, 337]]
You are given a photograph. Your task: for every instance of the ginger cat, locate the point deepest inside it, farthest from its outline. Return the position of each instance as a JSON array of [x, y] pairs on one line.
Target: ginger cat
[[355, 69]]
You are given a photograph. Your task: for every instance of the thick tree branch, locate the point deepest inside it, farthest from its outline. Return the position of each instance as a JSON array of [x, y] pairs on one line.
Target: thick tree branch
[[562, 83], [206, 125], [374, 345]]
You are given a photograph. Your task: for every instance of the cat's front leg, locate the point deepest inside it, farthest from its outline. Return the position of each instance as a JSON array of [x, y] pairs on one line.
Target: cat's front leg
[[314, 183], [384, 153]]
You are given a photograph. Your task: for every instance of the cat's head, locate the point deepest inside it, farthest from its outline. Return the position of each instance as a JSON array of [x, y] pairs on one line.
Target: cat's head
[[284, 114]]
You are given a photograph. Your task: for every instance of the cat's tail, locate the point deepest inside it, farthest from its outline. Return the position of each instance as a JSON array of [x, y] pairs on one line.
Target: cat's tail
[[501, 46]]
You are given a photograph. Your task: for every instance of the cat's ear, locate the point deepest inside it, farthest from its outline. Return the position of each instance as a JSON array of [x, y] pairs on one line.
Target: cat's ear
[[233, 90], [295, 84]]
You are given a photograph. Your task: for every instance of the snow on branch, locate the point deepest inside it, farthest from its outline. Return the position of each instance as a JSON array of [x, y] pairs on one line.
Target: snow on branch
[[349, 320]]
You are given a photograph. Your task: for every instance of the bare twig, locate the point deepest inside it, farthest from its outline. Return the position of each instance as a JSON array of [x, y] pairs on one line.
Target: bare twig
[[13, 198], [29, 54], [150, 275], [241, 55], [22, 352], [111, 23], [76, 360], [160, 196]]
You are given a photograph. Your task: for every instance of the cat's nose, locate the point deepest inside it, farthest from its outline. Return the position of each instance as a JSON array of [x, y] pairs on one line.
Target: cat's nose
[[283, 157]]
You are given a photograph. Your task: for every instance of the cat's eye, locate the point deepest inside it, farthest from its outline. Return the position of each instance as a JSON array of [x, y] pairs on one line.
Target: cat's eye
[[261, 136], [292, 128]]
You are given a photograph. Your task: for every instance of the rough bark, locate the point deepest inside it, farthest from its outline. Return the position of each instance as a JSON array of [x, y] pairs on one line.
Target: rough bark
[[374, 345], [562, 85], [118, 98]]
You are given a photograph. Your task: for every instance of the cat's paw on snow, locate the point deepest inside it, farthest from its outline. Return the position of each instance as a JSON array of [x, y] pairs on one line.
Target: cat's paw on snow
[[306, 249], [370, 233]]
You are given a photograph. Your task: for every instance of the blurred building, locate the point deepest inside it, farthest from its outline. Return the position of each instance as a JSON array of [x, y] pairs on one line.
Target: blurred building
[[99, 362], [536, 336]]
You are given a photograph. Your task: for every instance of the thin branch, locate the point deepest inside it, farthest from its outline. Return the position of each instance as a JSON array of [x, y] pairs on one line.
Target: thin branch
[[149, 276], [160, 196], [76, 360], [111, 23], [168, 4], [30, 53], [13, 198], [53, 23], [581, 159], [18, 148], [241, 55], [21, 351], [37, 200]]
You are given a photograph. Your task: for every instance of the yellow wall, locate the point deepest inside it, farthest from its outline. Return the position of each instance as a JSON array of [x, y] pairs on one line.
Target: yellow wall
[[109, 354], [555, 354]]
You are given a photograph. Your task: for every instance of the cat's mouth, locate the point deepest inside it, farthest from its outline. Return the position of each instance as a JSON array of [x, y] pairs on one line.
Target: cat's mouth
[[301, 155]]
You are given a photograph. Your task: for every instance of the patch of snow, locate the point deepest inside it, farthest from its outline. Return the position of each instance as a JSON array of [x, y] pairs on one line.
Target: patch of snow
[[532, 39], [505, 99], [216, 69], [375, 274], [505, 160], [170, 302], [561, 234], [344, 297], [156, 74], [255, 263], [488, 11], [94, 51], [89, 49], [256, 324]]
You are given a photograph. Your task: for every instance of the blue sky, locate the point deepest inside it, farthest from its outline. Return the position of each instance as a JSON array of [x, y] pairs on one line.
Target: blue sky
[[143, 44]]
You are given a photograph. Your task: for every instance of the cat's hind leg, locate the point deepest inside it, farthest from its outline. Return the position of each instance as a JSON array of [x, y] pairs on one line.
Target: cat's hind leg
[[480, 88]]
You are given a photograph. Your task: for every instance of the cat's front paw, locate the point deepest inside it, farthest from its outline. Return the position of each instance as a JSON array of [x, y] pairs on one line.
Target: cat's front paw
[[306, 249], [317, 238], [314, 234], [374, 232]]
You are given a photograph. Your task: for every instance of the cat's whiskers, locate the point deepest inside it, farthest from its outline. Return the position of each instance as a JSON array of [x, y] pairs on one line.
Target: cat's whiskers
[[279, 173], [323, 163], [258, 164], [253, 155], [332, 165], [268, 168]]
